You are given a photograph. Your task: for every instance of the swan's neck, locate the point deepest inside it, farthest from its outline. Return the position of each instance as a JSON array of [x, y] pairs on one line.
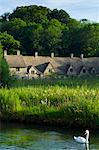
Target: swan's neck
[[87, 137]]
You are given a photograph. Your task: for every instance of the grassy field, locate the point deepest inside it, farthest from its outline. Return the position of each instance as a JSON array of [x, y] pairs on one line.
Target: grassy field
[[70, 101]]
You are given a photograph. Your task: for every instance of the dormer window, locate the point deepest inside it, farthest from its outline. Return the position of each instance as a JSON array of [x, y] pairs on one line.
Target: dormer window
[[93, 71], [50, 70], [71, 69], [84, 70]]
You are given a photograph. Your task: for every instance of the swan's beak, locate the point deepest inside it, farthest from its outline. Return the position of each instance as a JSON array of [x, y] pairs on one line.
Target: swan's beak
[[85, 133]]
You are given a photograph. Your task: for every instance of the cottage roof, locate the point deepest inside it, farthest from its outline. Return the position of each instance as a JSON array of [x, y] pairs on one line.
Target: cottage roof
[[92, 62], [60, 64], [42, 67], [40, 62], [35, 61], [15, 61]]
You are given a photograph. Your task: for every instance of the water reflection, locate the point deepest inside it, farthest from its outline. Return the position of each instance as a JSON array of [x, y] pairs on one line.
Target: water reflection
[[87, 146], [39, 138]]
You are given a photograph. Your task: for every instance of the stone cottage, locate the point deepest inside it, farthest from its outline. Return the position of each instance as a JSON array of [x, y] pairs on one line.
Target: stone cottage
[[41, 66]]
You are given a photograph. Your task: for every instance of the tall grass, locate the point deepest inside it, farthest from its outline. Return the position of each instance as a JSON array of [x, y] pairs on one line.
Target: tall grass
[[70, 101]]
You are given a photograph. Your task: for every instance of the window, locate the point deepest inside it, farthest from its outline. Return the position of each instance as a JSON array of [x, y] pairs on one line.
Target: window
[[84, 70], [17, 69], [50, 70], [71, 69], [32, 72], [93, 71]]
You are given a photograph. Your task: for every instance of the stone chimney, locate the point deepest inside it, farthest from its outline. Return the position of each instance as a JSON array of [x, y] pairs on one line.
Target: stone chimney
[[18, 52], [52, 55], [36, 54], [71, 55], [82, 56], [5, 52]]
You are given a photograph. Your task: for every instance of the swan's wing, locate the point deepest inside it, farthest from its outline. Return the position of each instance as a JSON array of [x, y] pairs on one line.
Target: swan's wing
[[80, 139]]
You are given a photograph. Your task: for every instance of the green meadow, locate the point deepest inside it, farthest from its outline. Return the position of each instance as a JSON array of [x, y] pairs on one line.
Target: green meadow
[[70, 101]]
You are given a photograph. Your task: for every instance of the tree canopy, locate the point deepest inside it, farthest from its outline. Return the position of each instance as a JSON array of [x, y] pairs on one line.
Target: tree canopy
[[37, 28], [8, 41]]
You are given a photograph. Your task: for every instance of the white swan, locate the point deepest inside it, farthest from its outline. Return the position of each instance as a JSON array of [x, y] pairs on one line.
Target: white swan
[[82, 140]]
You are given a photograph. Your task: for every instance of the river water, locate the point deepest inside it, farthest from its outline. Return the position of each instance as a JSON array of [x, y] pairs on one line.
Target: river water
[[30, 137]]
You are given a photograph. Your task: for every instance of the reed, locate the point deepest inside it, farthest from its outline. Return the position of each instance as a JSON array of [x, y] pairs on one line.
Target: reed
[[75, 103]]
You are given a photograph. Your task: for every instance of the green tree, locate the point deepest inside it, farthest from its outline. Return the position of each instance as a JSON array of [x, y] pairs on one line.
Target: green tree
[[38, 28], [34, 13], [89, 36], [51, 37], [5, 16], [30, 38], [73, 24], [8, 41], [83, 38], [4, 70], [86, 39], [13, 27], [60, 15]]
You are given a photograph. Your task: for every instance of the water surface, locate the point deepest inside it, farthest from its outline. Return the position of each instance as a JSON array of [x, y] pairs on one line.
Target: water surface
[[30, 137]]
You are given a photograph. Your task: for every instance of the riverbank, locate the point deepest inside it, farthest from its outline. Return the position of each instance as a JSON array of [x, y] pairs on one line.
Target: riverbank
[[66, 102]]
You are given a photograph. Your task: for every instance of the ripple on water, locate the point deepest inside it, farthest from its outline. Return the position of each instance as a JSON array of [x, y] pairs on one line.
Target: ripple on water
[[23, 138]]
